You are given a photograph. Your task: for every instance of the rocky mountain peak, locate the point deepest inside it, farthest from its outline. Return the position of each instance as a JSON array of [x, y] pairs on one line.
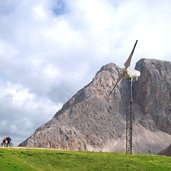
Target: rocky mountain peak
[[92, 120], [154, 89]]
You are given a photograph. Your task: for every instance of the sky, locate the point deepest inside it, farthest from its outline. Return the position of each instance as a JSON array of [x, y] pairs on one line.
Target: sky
[[50, 49]]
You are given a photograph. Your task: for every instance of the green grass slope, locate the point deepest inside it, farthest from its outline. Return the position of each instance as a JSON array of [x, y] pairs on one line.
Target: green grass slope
[[25, 159]]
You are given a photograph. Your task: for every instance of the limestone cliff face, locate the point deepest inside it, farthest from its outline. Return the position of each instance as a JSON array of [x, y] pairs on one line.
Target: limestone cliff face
[[153, 94], [92, 120]]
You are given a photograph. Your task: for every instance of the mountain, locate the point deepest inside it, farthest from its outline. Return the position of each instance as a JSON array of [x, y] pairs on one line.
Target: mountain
[[94, 121]]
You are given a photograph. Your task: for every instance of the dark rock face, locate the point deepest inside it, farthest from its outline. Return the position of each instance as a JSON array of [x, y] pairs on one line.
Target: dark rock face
[[166, 151], [92, 120]]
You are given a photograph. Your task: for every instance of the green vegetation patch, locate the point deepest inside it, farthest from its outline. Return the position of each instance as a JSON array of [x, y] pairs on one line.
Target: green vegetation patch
[[25, 159]]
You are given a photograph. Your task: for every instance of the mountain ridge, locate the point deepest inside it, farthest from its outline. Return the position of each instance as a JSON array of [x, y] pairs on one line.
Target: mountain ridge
[[94, 121]]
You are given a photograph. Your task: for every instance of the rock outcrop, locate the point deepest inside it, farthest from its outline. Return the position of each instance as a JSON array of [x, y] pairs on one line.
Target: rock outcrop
[[92, 120], [166, 151]]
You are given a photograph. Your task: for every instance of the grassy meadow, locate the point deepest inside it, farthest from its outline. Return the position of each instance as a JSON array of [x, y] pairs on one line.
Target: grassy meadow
[[30, 159]]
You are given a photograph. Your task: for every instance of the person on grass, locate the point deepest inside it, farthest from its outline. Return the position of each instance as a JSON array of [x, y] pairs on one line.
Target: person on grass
[[8, 141]]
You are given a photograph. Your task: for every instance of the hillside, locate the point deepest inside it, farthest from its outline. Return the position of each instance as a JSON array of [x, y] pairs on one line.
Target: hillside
[[94, 121], [52, 160]]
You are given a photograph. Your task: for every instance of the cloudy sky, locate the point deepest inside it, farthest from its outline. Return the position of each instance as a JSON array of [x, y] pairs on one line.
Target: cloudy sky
[[49, 49]]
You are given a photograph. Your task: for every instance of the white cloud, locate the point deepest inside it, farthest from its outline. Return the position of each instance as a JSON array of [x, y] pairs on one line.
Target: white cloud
[[39, 12], [49, 49], [51, 72], [22, 111]]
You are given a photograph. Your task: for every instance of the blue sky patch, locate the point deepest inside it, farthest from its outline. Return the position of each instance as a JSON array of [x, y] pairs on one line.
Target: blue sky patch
[[59, 8]]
